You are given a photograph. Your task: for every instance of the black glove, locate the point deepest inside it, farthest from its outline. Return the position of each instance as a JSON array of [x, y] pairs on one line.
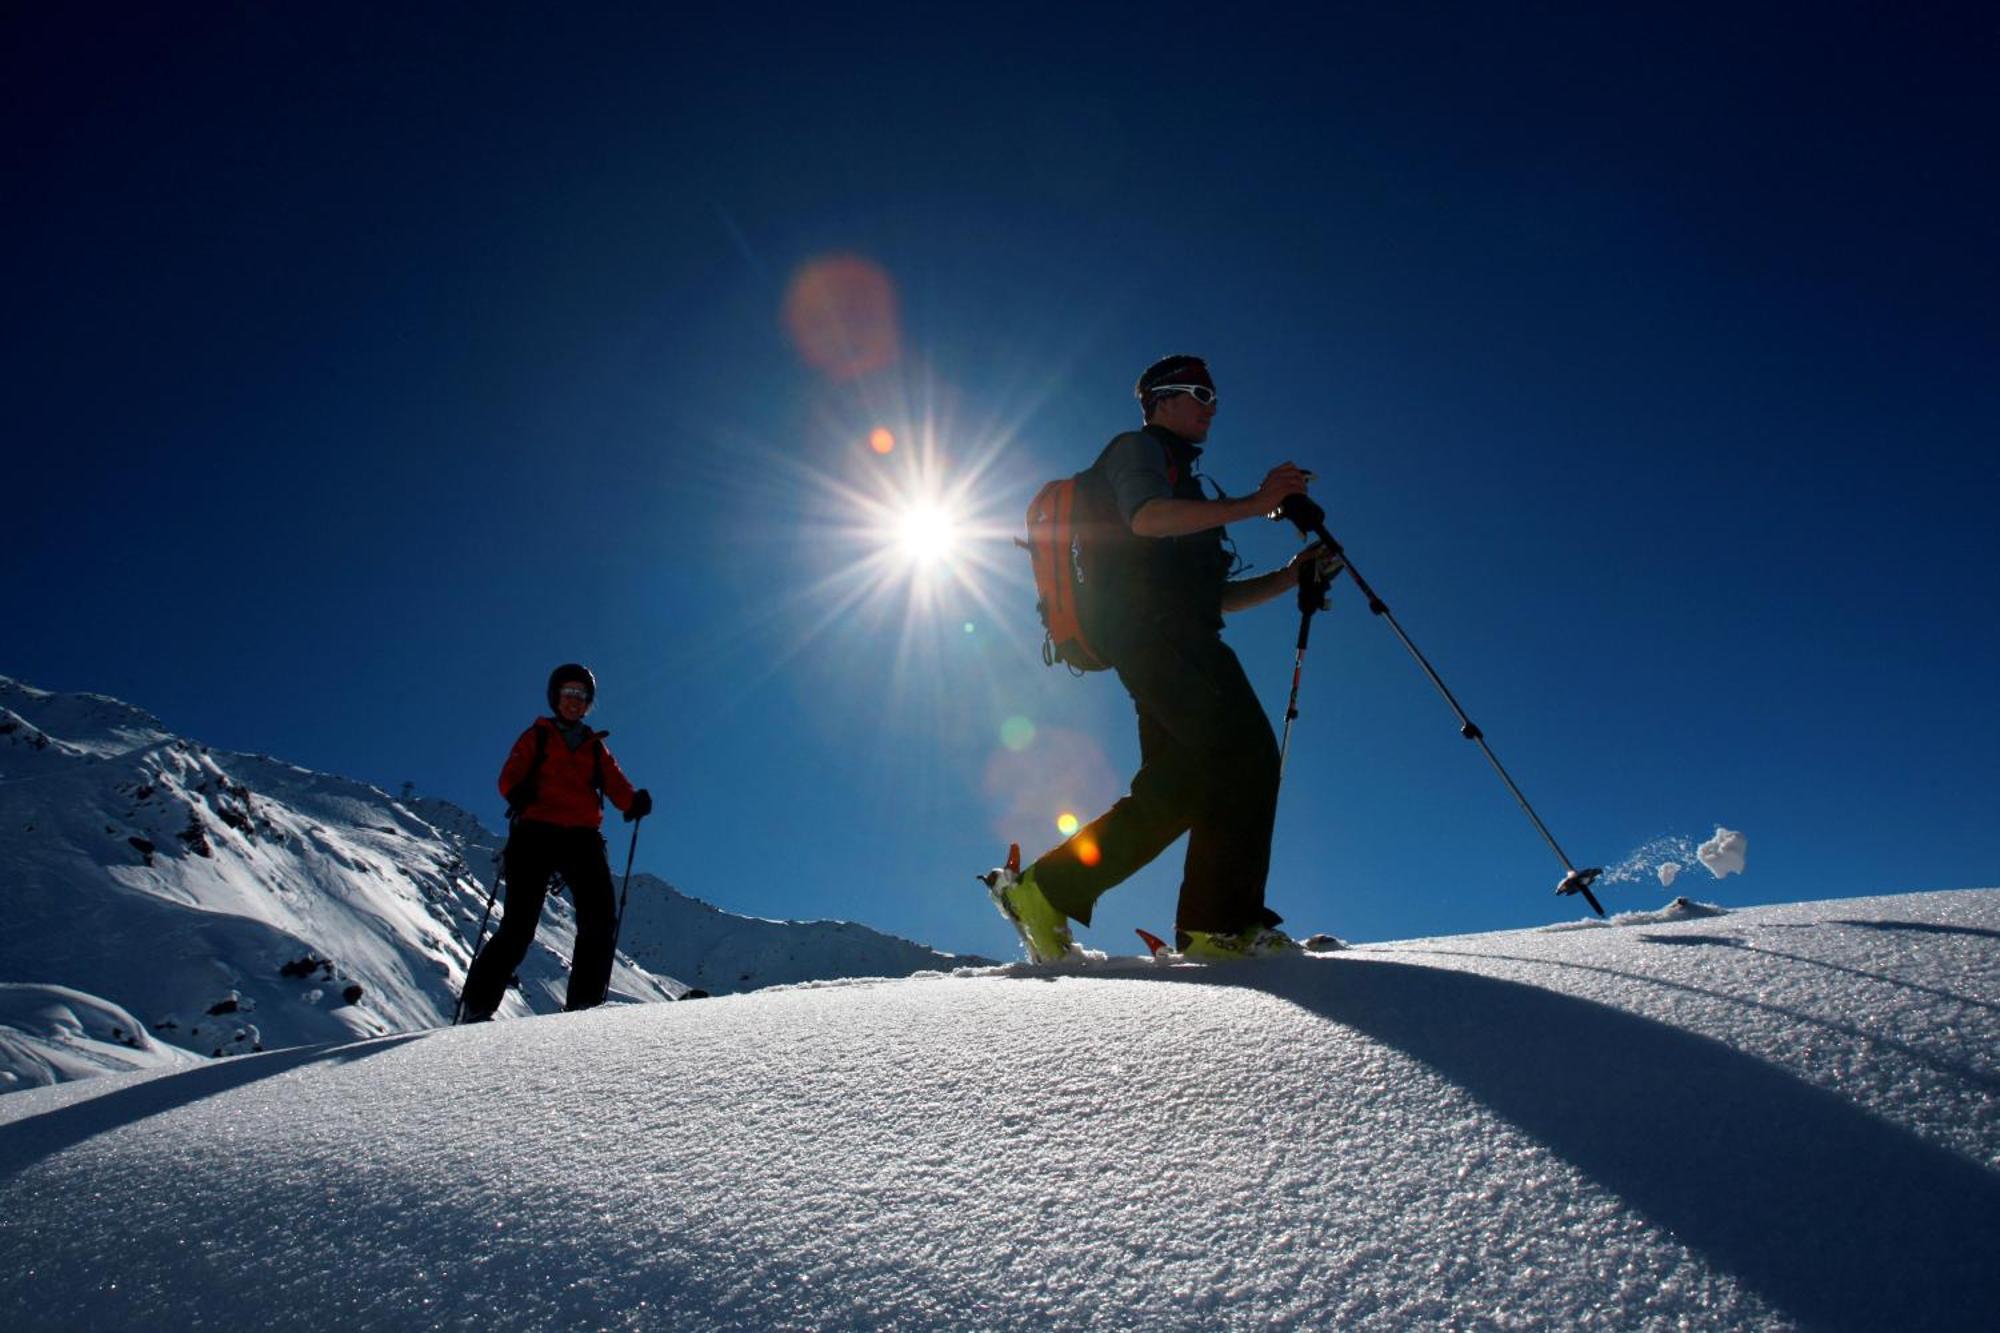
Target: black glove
[[519, 799], [642, 805]]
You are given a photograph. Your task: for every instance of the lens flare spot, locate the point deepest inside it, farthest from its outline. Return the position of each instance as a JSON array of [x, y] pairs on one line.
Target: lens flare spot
[[882, 440], [1062, 770], [968, 627], [840, 311], [1086, 851], [1017, 733], [1067, 823]]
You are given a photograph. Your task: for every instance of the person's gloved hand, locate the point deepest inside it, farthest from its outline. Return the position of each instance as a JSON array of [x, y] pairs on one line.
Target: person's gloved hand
[[1317, 563], [642, 805]]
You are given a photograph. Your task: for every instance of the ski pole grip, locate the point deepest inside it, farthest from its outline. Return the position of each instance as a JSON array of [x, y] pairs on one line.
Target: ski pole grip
[[1304, 513]]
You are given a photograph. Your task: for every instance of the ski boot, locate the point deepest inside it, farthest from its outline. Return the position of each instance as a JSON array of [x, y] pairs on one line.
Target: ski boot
[[1043, 929], [1214, 946]]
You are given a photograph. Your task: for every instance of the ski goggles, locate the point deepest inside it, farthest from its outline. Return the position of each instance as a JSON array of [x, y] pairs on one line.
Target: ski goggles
[[573, 692], [1201, 393]]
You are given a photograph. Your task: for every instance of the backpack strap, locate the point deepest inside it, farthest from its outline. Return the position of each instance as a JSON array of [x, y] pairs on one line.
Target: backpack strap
[[523, 794]]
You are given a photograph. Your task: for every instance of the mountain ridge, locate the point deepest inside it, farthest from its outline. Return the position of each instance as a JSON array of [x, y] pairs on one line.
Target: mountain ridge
[[234, 902]]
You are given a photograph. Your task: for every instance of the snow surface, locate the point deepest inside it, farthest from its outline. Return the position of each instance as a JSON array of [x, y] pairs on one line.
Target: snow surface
[[1690, 1118]]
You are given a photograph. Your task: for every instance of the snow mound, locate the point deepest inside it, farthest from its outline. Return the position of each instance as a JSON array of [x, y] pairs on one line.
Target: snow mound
[[1680, 909], [50, 1034], [1781, 1117]]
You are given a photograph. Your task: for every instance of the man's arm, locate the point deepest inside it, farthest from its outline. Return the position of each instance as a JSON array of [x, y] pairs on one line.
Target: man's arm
[[1178, 518], [1246, 593], [1167, 517]]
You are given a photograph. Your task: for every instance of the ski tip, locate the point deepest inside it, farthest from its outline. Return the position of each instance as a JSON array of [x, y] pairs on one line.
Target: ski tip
[[1002, 875], [1153, 942]]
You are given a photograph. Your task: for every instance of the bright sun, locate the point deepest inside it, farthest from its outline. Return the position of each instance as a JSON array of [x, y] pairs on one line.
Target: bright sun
[[904, 541], [926, 534]]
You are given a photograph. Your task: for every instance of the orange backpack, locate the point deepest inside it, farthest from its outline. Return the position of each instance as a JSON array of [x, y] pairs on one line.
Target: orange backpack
[[1073, 531]]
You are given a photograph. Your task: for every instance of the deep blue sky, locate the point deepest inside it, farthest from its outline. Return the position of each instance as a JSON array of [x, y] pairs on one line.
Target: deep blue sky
[[364, 363]]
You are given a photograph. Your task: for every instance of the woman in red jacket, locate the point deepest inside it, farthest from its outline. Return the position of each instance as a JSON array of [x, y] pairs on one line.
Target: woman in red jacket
[[555, 781]]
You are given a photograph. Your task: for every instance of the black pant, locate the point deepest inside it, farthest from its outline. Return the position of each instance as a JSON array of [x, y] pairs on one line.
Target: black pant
[[535, 852], [1208, 767]]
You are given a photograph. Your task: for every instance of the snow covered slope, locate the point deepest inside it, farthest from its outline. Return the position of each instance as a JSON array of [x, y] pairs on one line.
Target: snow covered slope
[[1780, 1117], [722, 953], [233, 902]]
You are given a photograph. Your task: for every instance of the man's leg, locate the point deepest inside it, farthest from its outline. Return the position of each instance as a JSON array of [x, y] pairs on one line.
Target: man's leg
[[1124, 839], [1183, 734], [1229, 839], [588, 872], [528, 867]]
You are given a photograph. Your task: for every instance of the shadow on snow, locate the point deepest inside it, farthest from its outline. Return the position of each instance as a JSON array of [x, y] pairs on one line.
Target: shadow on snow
[[36, 1137], [1834, 1215]]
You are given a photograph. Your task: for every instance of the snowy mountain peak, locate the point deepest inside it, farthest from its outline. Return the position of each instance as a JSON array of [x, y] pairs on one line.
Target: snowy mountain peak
[[235, 902], [92, 724]]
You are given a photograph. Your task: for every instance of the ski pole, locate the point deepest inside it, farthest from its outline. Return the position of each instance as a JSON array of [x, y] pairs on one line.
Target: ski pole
[[1312, 600], [479, 941], [1310, 519], [618, 926]]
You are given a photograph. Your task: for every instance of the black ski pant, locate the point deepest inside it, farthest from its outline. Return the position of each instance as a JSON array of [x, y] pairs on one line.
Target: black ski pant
[[1208, 767], [535, 853]]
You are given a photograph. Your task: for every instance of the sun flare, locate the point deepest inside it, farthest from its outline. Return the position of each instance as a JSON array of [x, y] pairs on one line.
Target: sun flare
[[926, 534], [901, 572]]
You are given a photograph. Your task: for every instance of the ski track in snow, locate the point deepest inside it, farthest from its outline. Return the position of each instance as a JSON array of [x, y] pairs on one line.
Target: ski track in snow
[[1777, 1117]]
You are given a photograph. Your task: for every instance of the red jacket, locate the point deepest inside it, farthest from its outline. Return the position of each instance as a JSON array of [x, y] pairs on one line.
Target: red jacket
[[564, 785]]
